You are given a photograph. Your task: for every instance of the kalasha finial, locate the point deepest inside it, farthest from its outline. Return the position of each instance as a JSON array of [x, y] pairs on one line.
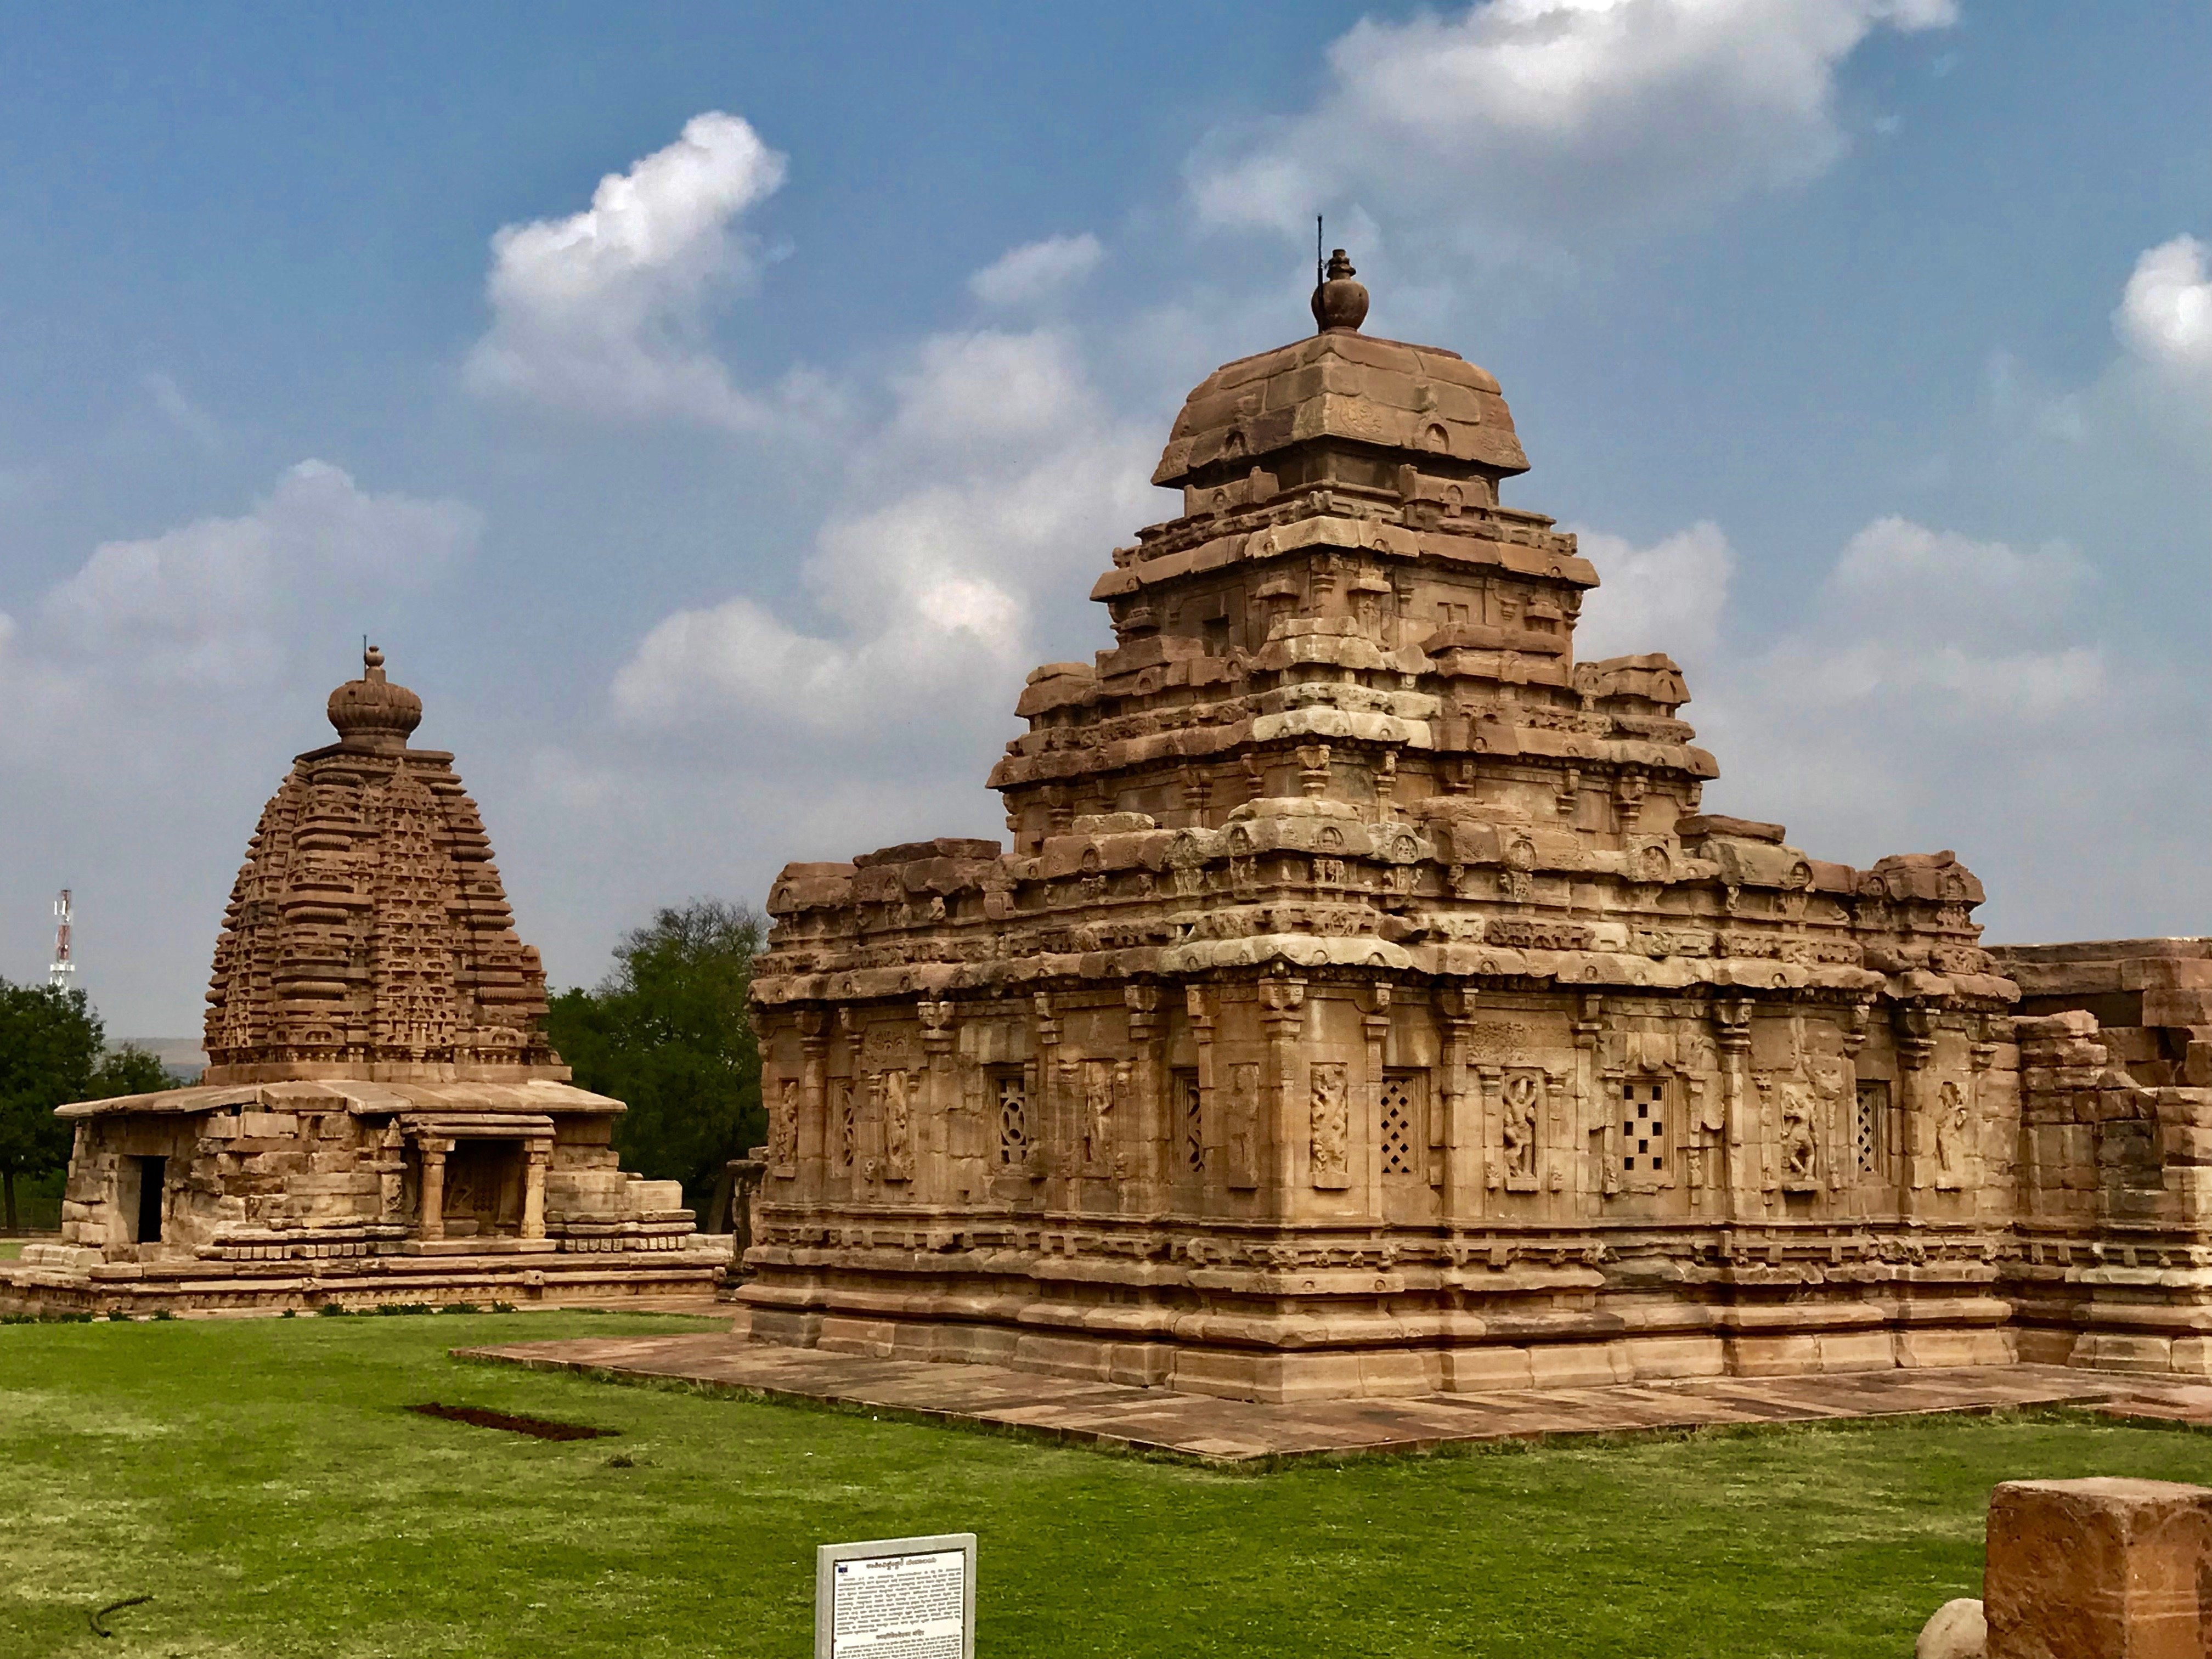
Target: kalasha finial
[[1340, 302], [371, 713]]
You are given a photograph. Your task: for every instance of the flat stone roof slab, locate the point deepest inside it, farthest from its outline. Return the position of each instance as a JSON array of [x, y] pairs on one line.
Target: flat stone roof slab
[[1195, 1426]]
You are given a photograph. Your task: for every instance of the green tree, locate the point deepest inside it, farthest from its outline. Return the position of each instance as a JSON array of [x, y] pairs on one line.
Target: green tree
[[51, 1044], [129, 1070], [667, 1033]]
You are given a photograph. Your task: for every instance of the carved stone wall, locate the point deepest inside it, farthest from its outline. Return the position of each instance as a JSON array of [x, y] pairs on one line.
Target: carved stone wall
[[1366, 1002]]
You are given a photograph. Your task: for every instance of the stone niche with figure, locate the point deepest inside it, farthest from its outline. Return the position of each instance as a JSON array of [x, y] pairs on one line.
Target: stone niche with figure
[[382, 1118], [1367, 1003]]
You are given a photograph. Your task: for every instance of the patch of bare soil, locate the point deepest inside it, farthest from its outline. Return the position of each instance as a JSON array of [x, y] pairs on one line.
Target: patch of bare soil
[[537, 1427]]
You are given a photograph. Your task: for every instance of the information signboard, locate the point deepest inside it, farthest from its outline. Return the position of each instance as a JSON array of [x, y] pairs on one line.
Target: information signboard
[[896, 1598]]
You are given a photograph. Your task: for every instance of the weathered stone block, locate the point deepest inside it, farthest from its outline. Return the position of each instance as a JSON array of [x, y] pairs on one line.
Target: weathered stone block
[[2099, 1569]]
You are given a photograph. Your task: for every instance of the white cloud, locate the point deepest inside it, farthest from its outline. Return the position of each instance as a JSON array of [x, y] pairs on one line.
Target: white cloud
[[1668, 597], [1915, 627], [155, 694], [974, 518], [2142, 427], [1516, 119], [997, 481], [207, 603], [605, 311], [1936, 690], [2164, 316], [1036, 271], [182, 412]]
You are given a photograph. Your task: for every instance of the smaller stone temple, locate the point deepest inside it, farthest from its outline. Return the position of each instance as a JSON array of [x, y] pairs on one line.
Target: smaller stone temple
[[382, 1118]]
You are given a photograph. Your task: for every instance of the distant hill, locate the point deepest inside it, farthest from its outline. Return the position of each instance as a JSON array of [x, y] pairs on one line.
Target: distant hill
[[182, 1057]]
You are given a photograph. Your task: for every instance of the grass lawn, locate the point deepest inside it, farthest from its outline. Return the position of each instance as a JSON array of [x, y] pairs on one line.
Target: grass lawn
[[261, 1481], [10, 1248]]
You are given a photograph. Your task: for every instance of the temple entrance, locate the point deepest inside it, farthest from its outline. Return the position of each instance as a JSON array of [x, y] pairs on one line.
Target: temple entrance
[[152, 1177], [484, 1190]]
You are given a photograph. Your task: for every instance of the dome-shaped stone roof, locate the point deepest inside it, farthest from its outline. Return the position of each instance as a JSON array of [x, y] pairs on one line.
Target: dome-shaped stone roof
[[371, 712], [1345, 386], [368, 935]]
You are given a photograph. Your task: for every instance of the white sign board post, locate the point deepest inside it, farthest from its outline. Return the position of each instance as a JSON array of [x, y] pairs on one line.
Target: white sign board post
[[896, 1598]]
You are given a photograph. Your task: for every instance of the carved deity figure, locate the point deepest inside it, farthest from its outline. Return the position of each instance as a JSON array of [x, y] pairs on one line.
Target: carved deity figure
[[1331, 1125], [1243, 1124], [898, 1146], [783, 1125], [1798, 1148], [1097, 1113], [1950, 1133], [1520, 1127]]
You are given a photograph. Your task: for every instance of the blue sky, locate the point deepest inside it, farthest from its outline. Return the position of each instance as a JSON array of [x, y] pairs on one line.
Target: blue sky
[[1866, 343]]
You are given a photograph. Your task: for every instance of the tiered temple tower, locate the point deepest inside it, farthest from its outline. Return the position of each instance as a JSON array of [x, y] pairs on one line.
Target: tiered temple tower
[[1365, 1003], [368, 935], [383, 1118]]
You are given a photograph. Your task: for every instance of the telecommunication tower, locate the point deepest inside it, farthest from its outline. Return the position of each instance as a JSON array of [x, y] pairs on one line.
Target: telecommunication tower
[[61, 973]]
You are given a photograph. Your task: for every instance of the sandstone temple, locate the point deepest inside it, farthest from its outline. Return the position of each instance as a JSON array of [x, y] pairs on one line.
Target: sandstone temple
[[382, 1118], [1366, 1003]]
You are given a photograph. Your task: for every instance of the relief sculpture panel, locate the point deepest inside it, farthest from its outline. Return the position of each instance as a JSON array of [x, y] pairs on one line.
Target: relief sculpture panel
[[1331, 1126]]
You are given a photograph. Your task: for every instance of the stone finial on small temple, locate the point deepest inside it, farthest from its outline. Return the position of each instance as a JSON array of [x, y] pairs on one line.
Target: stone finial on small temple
[[1340, 302], [371, 713]]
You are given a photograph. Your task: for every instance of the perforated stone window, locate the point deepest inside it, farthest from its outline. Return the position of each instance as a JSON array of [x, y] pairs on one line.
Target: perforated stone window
[[848, 1126], [1012, 1089], [1404, 1111], [1644, 1135], [1869, 1122], [1189, 1131]]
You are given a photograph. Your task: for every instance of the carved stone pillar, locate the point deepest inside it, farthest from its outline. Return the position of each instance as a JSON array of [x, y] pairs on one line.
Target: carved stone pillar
[[1980, 1055], [431, 1225], [535, 1155], [1732, 1035], [811, 1131], [1843, 1162], [1588, 1030], [1283, 1127], [939, 1107], [1460, 1108], [1047, 1154], [844, 1155], [1198, 1011], [1146, 1150], [1916, 1052], [1374, 1028]]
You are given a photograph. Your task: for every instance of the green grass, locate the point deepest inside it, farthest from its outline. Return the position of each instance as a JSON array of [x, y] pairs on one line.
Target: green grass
[[261, 1481], [10, 1248]]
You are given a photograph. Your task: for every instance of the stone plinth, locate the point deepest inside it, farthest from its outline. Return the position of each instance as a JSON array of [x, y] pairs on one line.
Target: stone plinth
[[2099, 1569]]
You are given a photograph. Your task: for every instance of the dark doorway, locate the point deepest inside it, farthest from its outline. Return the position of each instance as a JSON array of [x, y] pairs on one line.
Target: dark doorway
[[152, 1171], [484, 1190]]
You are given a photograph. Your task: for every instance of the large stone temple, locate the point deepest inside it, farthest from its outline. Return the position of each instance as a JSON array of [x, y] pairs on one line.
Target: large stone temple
[[1368, 1005], [382, 1118]]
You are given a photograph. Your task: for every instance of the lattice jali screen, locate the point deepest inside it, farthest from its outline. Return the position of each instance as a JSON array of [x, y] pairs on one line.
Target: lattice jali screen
[[1189, 1131], [1868, 1121], [1404, 1150], [1644, 1149], [1013, 1092]]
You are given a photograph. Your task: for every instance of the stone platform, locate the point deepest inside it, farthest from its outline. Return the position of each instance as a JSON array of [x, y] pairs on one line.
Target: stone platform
[[1231, 1431]]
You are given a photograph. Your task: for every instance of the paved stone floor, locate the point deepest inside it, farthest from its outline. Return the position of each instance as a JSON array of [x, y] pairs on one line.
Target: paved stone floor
[[1234, 1432]]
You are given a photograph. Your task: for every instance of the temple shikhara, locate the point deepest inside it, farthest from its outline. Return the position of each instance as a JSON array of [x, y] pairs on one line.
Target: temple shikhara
[[382, 1118], [1366, 1003]]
